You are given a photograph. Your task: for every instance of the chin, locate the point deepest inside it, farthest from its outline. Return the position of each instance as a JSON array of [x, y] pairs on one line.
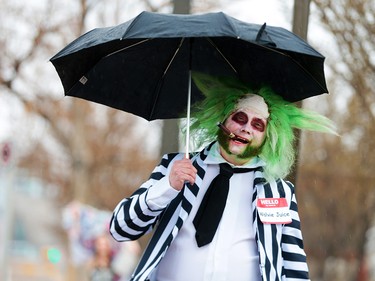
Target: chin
[[245, 152], [237, 150]]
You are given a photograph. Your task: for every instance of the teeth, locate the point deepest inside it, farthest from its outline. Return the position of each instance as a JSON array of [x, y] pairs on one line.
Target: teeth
[[241, 140]]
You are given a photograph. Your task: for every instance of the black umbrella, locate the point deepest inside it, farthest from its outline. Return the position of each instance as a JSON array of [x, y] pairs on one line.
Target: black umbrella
[[143, 66]]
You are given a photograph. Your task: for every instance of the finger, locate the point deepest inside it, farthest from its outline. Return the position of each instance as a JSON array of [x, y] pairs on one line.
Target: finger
[[183, 166], [187, 165], [179, 177], [190, 176]]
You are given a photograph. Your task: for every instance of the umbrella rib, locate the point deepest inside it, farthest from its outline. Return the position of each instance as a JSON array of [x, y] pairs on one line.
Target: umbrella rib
[[161, 79], [128, 47], [228, 62], [174, 55], [296, 62]]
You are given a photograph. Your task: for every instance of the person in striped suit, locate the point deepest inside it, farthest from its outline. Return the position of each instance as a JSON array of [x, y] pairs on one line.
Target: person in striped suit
[[258, 235]]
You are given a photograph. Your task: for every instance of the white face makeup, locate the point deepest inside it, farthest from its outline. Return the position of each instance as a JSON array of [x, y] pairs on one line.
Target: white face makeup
[[248, 123], [255, 103]]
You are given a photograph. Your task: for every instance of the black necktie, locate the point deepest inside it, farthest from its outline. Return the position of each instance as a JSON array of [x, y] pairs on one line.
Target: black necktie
[[212, 206]]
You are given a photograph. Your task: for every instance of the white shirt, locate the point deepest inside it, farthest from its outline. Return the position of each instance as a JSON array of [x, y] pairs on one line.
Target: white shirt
[[232, 255]]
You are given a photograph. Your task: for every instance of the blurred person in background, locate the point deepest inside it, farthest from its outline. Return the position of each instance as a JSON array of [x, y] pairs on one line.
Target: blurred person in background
[[99, 268]]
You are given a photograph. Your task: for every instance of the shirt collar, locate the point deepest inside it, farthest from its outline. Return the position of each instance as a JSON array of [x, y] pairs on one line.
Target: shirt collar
[[214, 157]]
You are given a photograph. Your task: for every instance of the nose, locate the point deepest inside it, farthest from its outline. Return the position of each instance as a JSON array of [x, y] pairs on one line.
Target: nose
[[246, 128]]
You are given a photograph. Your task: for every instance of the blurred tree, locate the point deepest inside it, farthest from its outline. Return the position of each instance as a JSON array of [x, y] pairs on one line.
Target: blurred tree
[[336, 181], [301, 13], [93, 153]]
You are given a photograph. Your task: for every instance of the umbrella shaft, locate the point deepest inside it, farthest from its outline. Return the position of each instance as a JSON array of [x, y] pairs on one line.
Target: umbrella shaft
[[188, 117]]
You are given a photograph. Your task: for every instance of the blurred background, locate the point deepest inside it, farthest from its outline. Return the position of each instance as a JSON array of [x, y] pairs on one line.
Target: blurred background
[[65, 163]]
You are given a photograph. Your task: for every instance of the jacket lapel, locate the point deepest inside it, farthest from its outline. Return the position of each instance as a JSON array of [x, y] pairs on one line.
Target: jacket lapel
[[268, 236], [190, 192]]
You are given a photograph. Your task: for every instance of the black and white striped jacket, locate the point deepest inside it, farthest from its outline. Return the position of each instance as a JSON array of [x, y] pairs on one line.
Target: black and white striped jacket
[[281, 254]]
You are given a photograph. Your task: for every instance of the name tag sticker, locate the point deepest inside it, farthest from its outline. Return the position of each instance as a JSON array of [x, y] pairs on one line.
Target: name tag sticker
[[274, 210]]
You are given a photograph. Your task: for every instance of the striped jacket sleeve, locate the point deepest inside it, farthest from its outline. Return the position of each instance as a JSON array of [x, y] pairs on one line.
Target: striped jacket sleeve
[[295, 265], [132, 217]]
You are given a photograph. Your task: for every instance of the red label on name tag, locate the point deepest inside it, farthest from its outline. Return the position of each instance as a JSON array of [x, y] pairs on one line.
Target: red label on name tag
[[274, 210]]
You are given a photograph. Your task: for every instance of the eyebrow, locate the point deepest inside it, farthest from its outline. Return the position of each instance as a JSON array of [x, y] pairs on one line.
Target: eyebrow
[[259, 119]]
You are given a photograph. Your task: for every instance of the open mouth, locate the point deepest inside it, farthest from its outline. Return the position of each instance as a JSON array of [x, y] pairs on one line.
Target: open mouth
[[233, 136], [241, 140]]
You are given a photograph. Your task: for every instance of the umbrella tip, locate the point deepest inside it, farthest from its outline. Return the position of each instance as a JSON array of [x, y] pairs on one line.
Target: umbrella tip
[[263, 38]]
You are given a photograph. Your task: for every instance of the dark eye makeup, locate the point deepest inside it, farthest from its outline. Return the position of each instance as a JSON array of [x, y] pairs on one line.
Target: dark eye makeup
[[258, 124], [241, 118]]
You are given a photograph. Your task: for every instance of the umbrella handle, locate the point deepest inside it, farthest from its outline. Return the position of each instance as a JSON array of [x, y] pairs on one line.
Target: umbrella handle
[[188, 117]]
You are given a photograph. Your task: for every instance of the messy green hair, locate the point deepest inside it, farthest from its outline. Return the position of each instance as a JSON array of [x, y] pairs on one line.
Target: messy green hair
[[221, 96]]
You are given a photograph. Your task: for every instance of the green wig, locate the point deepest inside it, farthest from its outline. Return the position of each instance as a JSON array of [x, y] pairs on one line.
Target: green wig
[[221, 96]]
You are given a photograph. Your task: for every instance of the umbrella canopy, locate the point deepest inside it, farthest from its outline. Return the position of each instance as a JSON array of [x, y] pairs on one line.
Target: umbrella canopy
[[142, 66]]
